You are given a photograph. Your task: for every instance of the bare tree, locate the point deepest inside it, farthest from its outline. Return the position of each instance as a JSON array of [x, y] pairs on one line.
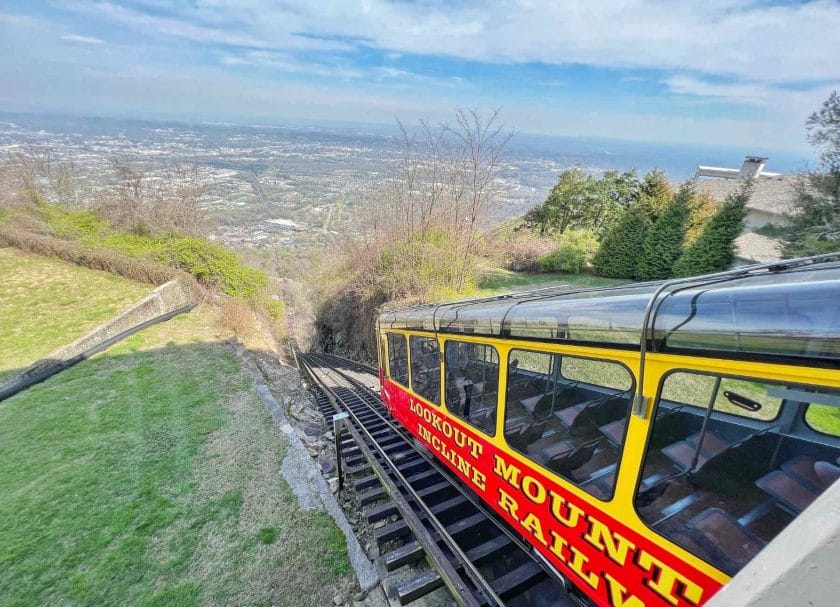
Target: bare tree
[[143, 202], [36, 171], [443, 184]]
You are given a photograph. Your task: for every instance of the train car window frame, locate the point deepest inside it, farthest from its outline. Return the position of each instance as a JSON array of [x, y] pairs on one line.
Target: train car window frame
[[757, 427], [446, 386], [391, 365], [609, 495], [416, 371], [383, 353]]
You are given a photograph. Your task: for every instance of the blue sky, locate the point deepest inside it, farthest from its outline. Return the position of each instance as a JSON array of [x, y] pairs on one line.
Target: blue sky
[[718, 72]]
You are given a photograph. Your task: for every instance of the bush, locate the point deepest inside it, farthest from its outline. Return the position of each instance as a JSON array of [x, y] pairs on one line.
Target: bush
[[713, 251], [573, 253], [66, 223], [663, 243], [214, 265], [621, 249], [524, 253], [97, 259]]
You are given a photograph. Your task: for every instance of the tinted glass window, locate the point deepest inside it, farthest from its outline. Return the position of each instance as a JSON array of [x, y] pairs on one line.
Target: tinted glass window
[[397, 358], [740, 397], [569, 414], [472, 383], [824, 418], [723, 486], [425, 367]]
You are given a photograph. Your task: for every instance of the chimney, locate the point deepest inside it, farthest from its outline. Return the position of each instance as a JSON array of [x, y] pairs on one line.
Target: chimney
[[752, 167]]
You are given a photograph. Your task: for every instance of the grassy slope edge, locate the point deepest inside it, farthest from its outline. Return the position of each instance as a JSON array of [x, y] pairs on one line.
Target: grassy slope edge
[[47, 303], [148, 475]]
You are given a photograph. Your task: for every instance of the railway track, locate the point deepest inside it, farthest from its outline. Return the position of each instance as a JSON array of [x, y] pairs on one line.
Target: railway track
[[429, 514]]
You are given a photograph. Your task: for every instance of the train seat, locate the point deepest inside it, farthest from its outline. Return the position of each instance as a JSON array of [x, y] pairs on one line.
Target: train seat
[[520, 434], [482, 418], [682, 452], [602, 486], [566, 462], [720, 535], [799, 482], [614, 431], [538, 406], [818, 472], [558, 449], [585, 418]]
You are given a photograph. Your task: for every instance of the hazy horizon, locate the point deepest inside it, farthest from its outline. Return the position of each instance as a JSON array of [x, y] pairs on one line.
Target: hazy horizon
[[727, 73]]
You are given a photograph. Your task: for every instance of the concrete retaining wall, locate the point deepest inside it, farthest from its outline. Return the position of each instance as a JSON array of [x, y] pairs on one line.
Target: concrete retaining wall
[[165, 301]]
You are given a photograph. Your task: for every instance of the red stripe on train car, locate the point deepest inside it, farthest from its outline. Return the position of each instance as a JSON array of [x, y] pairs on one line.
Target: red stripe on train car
[[612, 563]]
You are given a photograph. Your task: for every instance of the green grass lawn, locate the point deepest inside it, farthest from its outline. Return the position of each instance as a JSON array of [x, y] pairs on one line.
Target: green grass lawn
[[47, 303], [150, 475], [499, 281]]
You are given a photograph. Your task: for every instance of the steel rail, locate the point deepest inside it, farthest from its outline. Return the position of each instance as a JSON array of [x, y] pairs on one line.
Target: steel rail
[[467, 493], [438, 559]]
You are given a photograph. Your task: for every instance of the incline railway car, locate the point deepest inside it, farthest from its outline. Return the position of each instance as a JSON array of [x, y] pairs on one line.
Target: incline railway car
[[646, 471]]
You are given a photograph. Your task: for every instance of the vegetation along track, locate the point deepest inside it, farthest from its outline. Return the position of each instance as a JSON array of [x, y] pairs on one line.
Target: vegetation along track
[[432, 515]]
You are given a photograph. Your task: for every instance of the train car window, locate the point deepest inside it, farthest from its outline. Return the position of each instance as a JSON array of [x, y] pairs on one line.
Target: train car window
[[725, 469], [425, 367], [696, 390], [825, 419], [397, 358], [472, 383], [595, 372], [568, 414]]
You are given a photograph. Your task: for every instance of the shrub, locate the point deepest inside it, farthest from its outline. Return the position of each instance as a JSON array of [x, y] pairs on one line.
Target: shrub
[[98, 259], [214, 265], [524, 253], [237, 317], [663, 243], [573, 253], [621, 249], [713, 251], [66, 223]]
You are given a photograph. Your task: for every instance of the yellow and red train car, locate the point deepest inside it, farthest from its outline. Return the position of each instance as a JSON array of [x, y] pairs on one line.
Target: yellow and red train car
[[648, 440]]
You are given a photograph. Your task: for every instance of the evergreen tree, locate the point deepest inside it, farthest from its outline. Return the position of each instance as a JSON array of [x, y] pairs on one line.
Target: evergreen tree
[[703, 208], [621, 248], [655, 193], [663, 243], [714, 249]]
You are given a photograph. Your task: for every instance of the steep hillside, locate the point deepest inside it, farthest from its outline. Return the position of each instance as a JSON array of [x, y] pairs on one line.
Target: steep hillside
[[149, 474], [47, 303]]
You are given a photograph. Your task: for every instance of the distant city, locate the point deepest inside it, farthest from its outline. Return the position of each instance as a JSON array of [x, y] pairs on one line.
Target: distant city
[[296, 185]]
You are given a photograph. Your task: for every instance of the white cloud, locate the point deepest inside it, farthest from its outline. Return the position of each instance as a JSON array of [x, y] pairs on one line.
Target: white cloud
[[82, 39], [739, 38]]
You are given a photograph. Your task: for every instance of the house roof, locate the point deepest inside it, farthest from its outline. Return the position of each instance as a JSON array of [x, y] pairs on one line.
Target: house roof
[[757, 248], [772, 195]]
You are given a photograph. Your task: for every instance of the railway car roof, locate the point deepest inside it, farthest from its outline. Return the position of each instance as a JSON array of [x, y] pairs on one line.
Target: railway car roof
[[789, 311]]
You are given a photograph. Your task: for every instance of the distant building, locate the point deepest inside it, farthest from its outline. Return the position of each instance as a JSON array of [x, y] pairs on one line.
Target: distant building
[[772, 195], [770, 203]]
